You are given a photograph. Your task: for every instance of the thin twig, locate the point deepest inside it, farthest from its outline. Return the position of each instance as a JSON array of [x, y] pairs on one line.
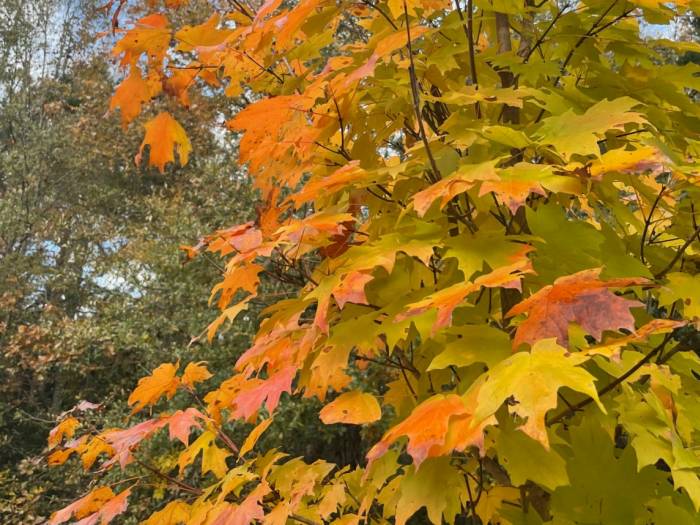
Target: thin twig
[[647, 223], [611, 386], [678, 255], [181, 484], [416, 99], [468, 27]]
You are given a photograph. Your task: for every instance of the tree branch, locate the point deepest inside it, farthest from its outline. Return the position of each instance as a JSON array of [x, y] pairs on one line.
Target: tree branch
[[181, 484], [416, 100], [647, 223], [611, 386], [679, 254], [469, 35]]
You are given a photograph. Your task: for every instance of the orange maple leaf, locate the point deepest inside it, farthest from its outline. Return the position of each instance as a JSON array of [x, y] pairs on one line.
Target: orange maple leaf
[[132, 93], [150, 36], [164, 135], [123, 441], [195, 373], [428, 429], [100, 505], [447, 299], [162, 382], [580, 298], [257, 392], [354, 407], [181, 422], [65, 429]]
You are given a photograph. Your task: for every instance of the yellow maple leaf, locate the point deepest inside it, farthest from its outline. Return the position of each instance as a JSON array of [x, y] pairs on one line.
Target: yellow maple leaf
[[162, 382], [164, 135], [195, 373]]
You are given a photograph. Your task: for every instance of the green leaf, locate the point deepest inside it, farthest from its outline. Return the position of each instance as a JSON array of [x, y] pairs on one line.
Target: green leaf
[[573, 134], [527, 460], [467, 345], [437, 486]]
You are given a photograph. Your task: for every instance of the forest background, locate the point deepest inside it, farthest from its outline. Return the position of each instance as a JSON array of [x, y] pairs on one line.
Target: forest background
[[94, 292]]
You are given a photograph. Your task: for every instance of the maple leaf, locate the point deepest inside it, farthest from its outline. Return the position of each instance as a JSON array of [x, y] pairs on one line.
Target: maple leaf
[[164, 135], [441, 505], [150, 36], [248, 511], [174, 513], [229, 314], [132, 93], [259, 392], [340, 180], [91, 449], [580, 298], [213, 457], [515, 183], [195, 373], [447, 299], [612, 347], [113, 507], [181, 422], [179, 82], [207, 34], [313, 232], [162, 382], [65, 429], [427, 429], [354, 407], [352, 289], [124, 441], [573, 134], [533, 380], [449, 187], [101, 505], [254, 435], [243, 238], [244, 277], [644, 159], [59, 457], [84, 506], [334, 496], [291, 23]]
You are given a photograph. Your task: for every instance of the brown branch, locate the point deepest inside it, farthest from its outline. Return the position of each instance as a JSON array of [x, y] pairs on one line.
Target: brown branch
[[381, 12], [302, 519], [510, 114], [614, 384], [181, 484], [416, 99], [343, 151], [678, 255], [266, 69], [542, 37], [647, 223], [468, 27]]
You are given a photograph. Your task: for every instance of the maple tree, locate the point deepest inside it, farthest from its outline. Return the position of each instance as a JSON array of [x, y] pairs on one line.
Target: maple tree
[[492, 203]]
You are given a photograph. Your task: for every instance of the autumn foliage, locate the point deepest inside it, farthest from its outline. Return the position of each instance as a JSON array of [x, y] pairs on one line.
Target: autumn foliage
[[493, 203]]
